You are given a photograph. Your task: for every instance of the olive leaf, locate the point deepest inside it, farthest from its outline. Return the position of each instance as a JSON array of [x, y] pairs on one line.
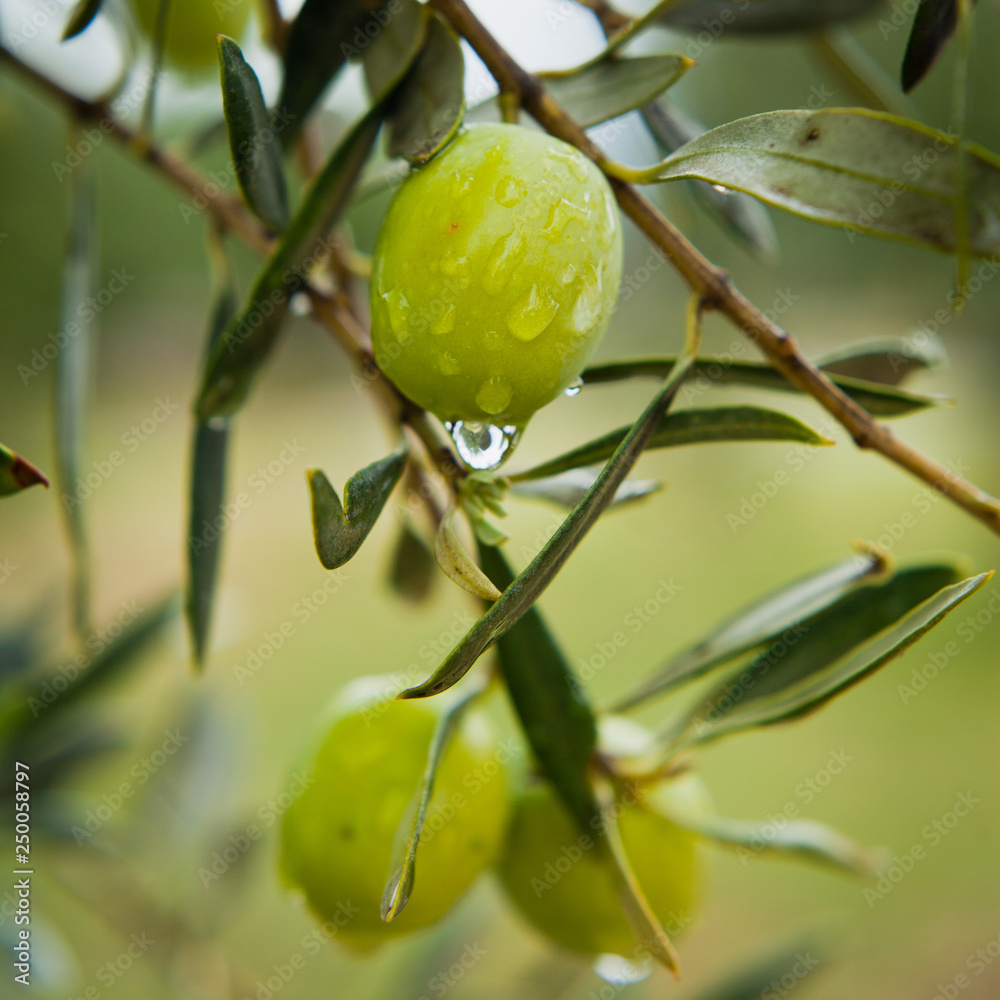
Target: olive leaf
[[339, 529], [834, 165], [552, 707], [696, 426], [458, 565], [568, 488], [247, 342], [389, 59], [431, 102], [83, 13], [933, 28], [252, 144], [889, 361], [834, 650], [760, 622], [400, 884], [719, 17], [752, 982], [805, 839], [878, 399], [411, 567], [17, 473]]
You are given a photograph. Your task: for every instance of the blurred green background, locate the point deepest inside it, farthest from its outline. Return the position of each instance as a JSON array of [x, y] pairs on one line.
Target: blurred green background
[[909, 761]]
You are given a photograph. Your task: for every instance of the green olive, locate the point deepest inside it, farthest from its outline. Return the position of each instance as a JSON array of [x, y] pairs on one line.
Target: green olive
[[192, 26]]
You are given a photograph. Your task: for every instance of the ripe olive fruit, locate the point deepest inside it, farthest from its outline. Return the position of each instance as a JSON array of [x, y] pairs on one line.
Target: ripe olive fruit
[[495, 275], [191, 28], [362, 774]]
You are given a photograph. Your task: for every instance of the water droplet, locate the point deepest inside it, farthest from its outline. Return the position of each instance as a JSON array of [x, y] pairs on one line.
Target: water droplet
[[445, 322], [507, 252], [460, 185], [399, 312], [483, 446], [531, 314], [587, 308], [620, 971], [510, 191], [573, 160], [455, 265], [493, 396], [573, 389], [448, 364], [569, 273], [722, 189], [561, 214], [300, 304], [608, 225], [493, 340]]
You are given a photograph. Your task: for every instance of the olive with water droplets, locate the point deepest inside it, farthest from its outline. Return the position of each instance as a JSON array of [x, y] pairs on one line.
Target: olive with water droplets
[[495, 275]]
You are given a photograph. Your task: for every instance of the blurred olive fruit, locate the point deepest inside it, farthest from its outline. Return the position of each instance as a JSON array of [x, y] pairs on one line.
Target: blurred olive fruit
[[192, 27], [561, 883], [337, 837], [496, 272]]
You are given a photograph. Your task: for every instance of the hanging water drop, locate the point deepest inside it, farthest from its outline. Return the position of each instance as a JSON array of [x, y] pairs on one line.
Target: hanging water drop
[[483, 446], [722, 189], [573, 389], [620, 971], [300, 304]]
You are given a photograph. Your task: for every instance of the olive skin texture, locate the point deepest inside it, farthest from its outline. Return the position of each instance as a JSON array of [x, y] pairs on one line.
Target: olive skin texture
[[496, 272]]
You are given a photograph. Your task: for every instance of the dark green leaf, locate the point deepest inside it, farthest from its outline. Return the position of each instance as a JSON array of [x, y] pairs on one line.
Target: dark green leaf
[[556, 718], [249, 338], [324, 34], [888, 362], [339, 529], [738, 213], [880, 400], [569, 488], [252, 138], [412, 568], [933, 28], [431, 102], [700, 426], [388, 60], [834, 650], [83, 13], [763, 621], [17, 473], [864, 171], [771, 16]]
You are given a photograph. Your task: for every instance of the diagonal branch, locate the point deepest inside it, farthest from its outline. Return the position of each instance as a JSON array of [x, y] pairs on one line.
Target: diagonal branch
[[713, 284]]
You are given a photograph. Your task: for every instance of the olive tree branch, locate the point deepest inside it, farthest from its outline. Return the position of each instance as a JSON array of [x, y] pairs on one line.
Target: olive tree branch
[[712, 283]]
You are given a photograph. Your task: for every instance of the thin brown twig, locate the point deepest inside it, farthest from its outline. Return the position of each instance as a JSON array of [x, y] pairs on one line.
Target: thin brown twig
[[714, 284]]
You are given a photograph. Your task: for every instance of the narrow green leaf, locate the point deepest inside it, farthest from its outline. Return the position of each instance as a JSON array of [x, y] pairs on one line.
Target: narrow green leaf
[[612, 87], [835, 650], [412, 567], [552, 707], [389, 59], [73, 380], [400, 884], [770, 17], [323, 36], [208, 490], [83, 13], [888, 362], [758, 623], [339, 529], [431, 101], [753, 981], [834, 165], [568, 488], [738, 213], [805, 839], [933, 28], [17, 473], [518, 598], [879, 400], [252, 138], [458, 565], [249, 338], [696, 426]]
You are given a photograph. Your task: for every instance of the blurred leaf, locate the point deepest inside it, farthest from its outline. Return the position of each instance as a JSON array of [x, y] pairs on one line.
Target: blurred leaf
[[397, 891], [832, 166], [804, 838], [552, 707], [697, 426], [933, 28], [570, 487], [412, 567], [753, 982], [252, 144], [320, 40], [389, 59], [834, 650], [73, 377], [60, 751], [83, 13], [458, 565], [430, 103], [340, 530], [738, 213], [17, 473], [208, 489], [249, 338], [888, 362], [518, 598], [879, 400], [760, 622], [611, 87], [771, 16]]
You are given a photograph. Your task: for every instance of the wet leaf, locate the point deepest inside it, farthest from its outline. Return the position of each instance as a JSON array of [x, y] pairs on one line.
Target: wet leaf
[[696, 426], [339, 530], [83, 13], [252, 138], [458, 565], [17, 473], [834, 165]]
